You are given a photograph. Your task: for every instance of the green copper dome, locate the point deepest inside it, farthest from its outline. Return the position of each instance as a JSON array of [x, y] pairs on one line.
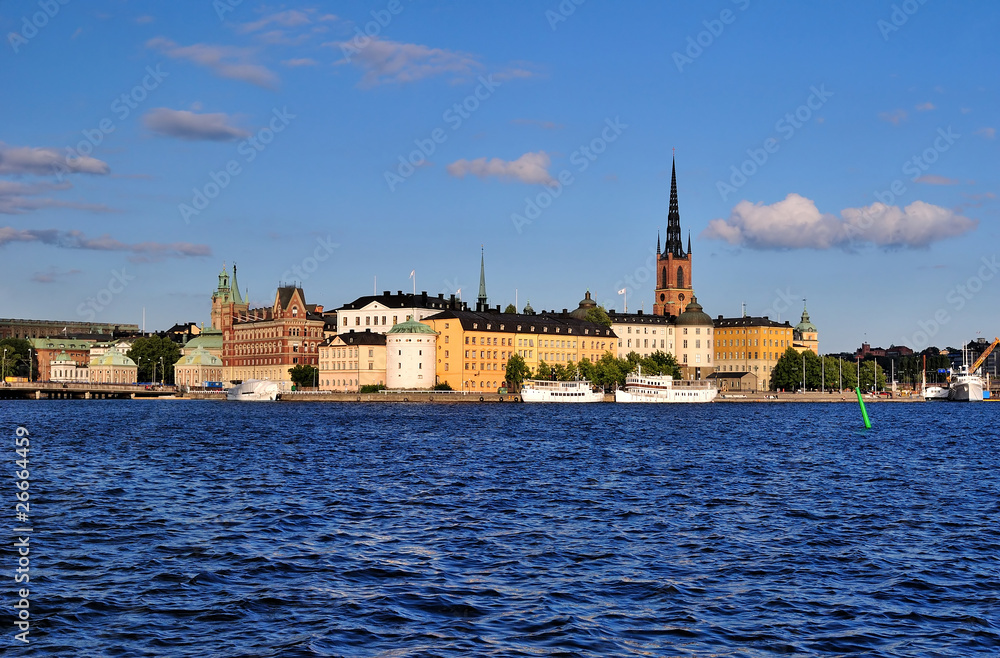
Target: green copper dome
[[64, 357], [202, 357], [694, 314], [411, 326], [804, 325], [112, 358]]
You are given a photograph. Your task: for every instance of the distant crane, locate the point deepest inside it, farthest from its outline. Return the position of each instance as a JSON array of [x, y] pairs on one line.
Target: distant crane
[[982, 358]]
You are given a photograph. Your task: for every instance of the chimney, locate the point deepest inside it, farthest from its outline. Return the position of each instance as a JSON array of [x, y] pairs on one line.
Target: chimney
[[400, 292], [386, 293], [451, 302]]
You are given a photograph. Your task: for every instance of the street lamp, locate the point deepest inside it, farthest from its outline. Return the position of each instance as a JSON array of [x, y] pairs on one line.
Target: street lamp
[[803, 372], [162, 372], [4, 366]]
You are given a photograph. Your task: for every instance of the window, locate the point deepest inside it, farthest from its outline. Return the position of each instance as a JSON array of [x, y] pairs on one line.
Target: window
[[685, 343], [345, 322], [357, 321], [446, 338], [697, 343], [685, 331], [697, 330], [368, 320]]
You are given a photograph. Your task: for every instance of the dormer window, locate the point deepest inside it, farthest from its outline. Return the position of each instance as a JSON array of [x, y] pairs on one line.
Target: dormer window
[[295, 311]]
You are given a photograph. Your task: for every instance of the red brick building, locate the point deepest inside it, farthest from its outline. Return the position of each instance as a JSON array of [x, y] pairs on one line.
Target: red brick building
[[265, 343]]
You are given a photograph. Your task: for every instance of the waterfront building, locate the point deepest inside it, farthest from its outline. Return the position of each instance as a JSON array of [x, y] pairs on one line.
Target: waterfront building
[[47, 350], [694, 341], [198, 367], [209, 340], [351, 360], [264, 343], [380, 313], [113, 367], [750, 345], [227, 302], [65, 370], [473, 348], [642, 334], [674, 288], [410, 356], [14, 328], [805, 336]]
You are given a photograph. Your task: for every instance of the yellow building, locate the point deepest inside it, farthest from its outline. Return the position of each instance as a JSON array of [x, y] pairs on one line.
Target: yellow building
[[351, 360], [473, 347], [750, 345], [197, 367]]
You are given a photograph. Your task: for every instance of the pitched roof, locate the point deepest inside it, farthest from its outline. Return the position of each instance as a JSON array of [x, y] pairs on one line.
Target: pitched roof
[[525, 324], [405, 300]]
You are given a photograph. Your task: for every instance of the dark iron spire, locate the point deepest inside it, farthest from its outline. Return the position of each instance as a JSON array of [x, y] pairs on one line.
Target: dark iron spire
[[658, 250], [689, 242], [481, 301], [674, 244]]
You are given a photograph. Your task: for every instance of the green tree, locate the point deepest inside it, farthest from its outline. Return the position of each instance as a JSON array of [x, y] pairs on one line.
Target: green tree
[[599, 316], [371, 388], [162, 352], [787, 373], [543, 371], [510, 309], [661, 363], [303, 375], [15, 362], [868, 370], [443, 386], [586, 370], [517, 372], [909, 370], [610, 371]]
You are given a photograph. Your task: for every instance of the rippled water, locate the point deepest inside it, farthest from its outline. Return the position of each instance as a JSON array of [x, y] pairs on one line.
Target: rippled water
[[221, 529]]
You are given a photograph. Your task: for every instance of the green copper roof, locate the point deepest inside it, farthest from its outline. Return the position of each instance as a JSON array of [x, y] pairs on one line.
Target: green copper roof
[[804, 325], [237, 299], [694, 314], [112, 358], [202, 357], [210, 339], [411, 326], [64, 357]]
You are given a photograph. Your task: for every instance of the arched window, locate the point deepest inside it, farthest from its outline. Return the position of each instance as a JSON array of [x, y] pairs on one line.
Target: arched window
[[664, 278], [680, 277]]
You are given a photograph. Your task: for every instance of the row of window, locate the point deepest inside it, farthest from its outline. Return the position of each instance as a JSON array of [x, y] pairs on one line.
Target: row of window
[[769, 356], [741, 342]]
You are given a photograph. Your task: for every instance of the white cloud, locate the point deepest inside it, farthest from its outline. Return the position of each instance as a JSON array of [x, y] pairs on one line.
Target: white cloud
[[925, 107], [796, 223], [988, 133], [530, 168], [39, 161], [934, 179], [188, 125], [141, 252], [224, 61], [289, 18], [385, 62], [302, 61], [895, 117]]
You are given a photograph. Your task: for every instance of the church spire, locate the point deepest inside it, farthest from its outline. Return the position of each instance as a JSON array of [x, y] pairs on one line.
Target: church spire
[[689, 242], [235, 288], [658, 250], [481, 301], [674, 244]]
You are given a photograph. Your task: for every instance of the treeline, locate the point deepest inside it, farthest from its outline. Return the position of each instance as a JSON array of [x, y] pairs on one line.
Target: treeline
[[608, 371], [827, 372]]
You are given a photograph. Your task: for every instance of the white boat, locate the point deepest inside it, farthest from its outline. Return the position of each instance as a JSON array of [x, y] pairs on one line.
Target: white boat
[[935, 393], [966, 386], [254, 390], [661, 388], [542, 390]]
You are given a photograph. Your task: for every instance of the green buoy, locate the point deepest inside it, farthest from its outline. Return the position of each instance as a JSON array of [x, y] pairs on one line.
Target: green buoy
[[864, 412]]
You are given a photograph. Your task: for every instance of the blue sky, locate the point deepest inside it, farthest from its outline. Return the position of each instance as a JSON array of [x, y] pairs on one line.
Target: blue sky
[[143, 144]]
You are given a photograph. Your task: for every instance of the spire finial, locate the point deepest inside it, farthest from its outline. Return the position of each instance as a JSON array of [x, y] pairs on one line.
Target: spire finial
[[674, 245], [481, 300]]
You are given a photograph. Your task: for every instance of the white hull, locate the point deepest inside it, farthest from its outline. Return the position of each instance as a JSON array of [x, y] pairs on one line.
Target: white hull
[[538, 390], [935, 393], [254, 390], [661, 389], [970, 390]]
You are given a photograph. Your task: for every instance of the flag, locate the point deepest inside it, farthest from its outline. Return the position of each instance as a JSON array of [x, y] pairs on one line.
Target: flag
[[622, 291], [413, 273], [458, 292]]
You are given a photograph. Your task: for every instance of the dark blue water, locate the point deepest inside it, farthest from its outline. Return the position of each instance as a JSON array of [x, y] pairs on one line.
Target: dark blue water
[[224, 529]]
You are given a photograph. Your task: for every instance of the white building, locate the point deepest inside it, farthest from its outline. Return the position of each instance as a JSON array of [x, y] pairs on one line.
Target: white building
[[410, 349], [694, 333], [67, 371], [380, 313], [643, 334]]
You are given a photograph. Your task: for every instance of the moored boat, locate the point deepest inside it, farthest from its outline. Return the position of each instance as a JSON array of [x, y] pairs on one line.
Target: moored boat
[[966, 387], [542, 390], [254, 390], [663, 388]]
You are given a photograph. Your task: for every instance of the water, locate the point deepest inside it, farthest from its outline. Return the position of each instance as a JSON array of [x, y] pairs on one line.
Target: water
[[222, 529]]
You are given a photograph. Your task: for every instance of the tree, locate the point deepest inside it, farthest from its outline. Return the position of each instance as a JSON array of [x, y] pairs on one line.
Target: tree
[[443, 386], [787, 373], [868, 369], [15, 363], [661, 363], [517, 372], [303, 375], [610, 371], [586, 369], [599, 316], [543, 371], [510, 309], [162, 352]]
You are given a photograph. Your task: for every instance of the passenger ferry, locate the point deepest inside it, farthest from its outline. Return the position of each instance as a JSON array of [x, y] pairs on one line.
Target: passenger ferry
[[254, 390], [543, 390], [661, 388]]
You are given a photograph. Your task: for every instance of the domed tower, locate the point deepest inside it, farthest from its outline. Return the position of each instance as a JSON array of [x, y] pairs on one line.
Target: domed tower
[[227, 301], [805, 336], [673, 264], [410, 355], [587, 303], [693, 344]]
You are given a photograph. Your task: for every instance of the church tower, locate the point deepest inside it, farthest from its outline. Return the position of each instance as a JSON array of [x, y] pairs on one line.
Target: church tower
[[673, 265], [227, 301]]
